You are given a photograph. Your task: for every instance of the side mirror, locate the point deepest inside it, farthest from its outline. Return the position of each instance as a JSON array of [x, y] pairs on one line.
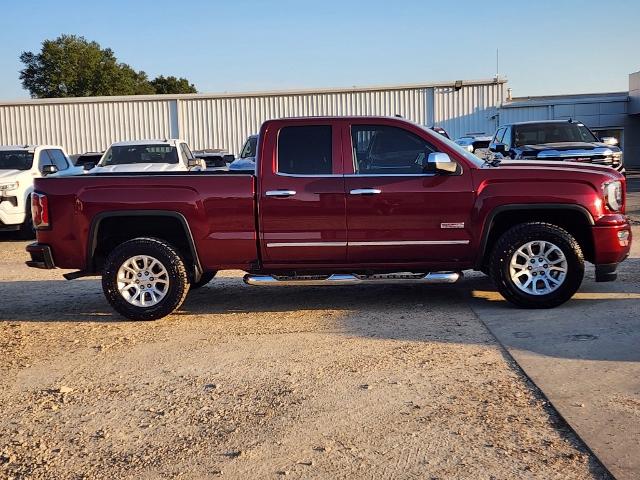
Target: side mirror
[[442, 163], [89, 165], [613, 141], [498, 148], [49, 170], [194, 162], [229, 158]]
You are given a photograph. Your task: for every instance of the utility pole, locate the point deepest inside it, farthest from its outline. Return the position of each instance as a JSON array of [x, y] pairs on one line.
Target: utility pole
[[497, 62]]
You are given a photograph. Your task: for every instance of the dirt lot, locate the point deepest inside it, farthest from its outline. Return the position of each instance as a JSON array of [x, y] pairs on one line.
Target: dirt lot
[[358, 382]]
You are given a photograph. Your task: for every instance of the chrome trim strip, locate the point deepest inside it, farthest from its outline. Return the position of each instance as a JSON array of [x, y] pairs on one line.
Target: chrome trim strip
[[302, 175], [306, 244], [367, 244], [410, 242], [367, 175]]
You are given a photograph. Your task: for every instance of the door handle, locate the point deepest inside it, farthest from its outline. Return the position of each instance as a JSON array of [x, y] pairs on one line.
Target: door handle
[[280, 193], [365, 191]]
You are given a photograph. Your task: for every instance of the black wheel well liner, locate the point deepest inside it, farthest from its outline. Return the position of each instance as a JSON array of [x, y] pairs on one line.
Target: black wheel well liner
[[97, 221], [535, 212]]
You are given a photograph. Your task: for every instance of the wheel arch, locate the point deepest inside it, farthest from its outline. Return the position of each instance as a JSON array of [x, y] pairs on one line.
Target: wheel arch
[[181, 238], [501, 218]]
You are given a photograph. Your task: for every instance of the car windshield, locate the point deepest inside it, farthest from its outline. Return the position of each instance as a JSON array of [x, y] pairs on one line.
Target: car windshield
[[129, 154], [540, 133], [15, 160], [249, 149]]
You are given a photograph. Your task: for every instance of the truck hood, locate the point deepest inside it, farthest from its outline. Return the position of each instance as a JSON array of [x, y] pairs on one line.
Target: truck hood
[[138, 167], [562, 168], [564, 146], [8, 175]]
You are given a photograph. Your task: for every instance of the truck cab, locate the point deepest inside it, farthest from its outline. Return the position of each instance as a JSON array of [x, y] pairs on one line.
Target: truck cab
[[20, 165]]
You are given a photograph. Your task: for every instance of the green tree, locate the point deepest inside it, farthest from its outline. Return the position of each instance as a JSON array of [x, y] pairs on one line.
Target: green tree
[[172, 85], [71, 66]]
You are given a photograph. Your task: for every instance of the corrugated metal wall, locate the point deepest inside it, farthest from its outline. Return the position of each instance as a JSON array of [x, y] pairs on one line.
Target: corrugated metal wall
[[224, 121], [471, 109], [82, 127]]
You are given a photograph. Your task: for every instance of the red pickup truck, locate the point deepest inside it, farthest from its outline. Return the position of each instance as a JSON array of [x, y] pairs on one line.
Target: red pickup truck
[[339, 201]]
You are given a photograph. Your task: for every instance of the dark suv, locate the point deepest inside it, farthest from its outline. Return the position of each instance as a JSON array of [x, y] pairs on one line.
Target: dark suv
[[560, 140]]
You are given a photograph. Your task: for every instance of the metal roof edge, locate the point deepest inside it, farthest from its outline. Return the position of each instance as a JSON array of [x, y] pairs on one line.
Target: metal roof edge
[[269, 93], [566, 99]]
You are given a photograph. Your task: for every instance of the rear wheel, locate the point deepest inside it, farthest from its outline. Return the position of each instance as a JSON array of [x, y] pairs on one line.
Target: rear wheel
[[205, 278], [537, 265], [145, 279]]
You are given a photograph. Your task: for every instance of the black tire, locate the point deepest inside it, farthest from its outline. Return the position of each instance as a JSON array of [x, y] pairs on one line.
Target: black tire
[[169, 258], [204, 279], [518, 236], [27, 231]]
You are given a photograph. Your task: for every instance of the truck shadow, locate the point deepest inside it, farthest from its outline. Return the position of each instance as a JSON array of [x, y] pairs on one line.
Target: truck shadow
[[600, 317]]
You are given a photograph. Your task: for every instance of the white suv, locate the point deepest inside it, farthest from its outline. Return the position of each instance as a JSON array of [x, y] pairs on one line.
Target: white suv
[[148, 156], [19, 166]]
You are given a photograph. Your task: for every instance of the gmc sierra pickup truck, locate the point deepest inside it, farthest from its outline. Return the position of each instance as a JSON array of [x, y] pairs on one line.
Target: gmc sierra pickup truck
[[336, 201]]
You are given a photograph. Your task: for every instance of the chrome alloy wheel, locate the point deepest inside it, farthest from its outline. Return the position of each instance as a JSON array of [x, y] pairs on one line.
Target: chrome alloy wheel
[[538, 267], [143, 281]]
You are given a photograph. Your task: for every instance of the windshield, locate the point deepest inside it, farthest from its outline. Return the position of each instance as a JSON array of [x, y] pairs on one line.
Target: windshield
[[249, 149], [539, 133], [15, 160], [462, 151], [129, 154]]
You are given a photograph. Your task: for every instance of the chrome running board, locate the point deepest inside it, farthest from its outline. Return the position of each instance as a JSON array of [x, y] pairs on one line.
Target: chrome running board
[[352, 279]]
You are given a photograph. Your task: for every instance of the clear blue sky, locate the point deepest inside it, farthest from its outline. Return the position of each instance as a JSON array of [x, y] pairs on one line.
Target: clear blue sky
[[546, 47]]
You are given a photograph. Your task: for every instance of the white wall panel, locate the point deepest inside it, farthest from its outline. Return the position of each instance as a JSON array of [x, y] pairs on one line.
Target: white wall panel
[[224, 121]]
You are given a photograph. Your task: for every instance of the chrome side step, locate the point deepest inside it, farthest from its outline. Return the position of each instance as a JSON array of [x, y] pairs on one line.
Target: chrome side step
[[352, 279]]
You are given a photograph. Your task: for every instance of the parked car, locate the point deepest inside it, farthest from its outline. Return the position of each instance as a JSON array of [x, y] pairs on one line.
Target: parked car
[[87, 160], [555, 140], [478, 144], [216, 160], [148, 156], [441, 131], [247, 160], [19, 166], [338, 201]]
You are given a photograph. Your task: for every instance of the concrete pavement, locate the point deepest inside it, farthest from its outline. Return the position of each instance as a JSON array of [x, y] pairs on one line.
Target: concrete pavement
[[584, 355]]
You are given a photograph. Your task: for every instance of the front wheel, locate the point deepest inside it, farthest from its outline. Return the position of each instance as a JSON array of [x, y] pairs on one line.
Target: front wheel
[[537, 265], [145, 279]]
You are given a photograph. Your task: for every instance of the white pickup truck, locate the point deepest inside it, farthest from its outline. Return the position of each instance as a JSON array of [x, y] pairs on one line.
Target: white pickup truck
[[19, 166], [170, 155]]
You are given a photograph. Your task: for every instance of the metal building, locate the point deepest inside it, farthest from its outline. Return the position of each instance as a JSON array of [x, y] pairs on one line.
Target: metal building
[[224, 121]]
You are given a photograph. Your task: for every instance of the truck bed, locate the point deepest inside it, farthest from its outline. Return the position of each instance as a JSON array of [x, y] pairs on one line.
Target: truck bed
[[220, 209]]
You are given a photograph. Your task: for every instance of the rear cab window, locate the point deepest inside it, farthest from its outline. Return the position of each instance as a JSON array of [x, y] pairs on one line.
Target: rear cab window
[[305, 150]]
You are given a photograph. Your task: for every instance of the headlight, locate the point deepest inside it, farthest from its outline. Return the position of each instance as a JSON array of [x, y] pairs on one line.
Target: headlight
[[6, 187], [613, 195]]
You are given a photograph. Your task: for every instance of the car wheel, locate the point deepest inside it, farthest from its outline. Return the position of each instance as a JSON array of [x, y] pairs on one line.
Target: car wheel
[[537, 265], [205, 278], [27, 231], [145, 279]]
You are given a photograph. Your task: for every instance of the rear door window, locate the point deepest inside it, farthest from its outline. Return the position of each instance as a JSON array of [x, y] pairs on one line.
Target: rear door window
[[305, 150]]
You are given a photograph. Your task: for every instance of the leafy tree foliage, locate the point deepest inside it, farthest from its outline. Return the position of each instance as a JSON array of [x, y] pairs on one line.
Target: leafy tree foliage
[[71, 66], [172, 85]]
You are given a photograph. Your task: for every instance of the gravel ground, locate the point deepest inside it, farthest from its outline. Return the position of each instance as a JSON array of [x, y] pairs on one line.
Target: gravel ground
[[355, 382]]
